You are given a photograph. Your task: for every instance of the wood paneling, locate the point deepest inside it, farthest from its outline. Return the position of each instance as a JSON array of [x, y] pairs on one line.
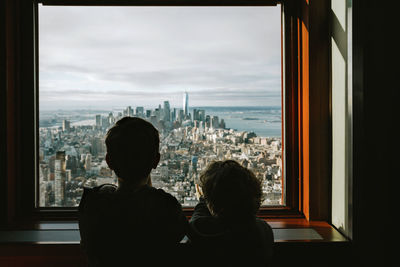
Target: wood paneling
[[314, 109]]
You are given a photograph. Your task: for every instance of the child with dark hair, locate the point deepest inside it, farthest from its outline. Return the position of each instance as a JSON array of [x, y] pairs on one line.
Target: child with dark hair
[[224, 226], [130, 224]]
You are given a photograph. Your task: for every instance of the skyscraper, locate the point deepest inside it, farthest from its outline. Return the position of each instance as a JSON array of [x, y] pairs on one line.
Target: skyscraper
[[43, 194], [173, 114], [66, 125], [88, 162], [208, 121], [111, 119], [222, 124], [180, 115], [167, 111], [214, 122], [195, 114], [186, 104], [98, 120], [202, 115], [59, 178], [129, 111], [157, 113]]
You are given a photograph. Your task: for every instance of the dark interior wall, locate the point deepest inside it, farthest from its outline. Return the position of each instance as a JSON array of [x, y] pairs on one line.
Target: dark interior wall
[[3, 192], [375, 143]]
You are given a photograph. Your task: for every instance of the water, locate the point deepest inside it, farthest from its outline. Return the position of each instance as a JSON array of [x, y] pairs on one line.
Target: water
[[264, 121]]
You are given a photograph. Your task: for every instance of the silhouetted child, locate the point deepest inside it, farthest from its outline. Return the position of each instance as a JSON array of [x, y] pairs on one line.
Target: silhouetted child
[[224, 229], [133, 224]]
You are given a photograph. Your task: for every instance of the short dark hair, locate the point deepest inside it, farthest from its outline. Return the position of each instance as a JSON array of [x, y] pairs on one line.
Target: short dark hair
[[132, 145], [231, 190]]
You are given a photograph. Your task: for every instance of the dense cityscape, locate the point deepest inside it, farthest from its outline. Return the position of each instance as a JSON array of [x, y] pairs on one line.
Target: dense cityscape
[[73, 156]]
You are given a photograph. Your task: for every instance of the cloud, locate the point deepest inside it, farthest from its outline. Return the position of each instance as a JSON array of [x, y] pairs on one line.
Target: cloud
[[108, 55]]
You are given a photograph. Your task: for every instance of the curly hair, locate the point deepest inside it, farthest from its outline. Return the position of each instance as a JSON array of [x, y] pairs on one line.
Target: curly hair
[[231, 190], [132, 145]]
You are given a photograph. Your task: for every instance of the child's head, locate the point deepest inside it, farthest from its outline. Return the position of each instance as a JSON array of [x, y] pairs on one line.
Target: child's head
[[231, 190], [132, 148]]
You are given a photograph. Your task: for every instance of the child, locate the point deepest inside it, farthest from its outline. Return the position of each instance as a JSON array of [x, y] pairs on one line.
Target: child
[[134, 222], [224, 227]]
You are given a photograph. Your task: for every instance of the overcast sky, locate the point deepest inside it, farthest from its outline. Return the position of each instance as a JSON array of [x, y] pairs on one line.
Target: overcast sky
[[112, 57]]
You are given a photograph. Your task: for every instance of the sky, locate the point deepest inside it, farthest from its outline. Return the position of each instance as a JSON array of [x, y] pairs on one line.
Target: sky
[[113, 57]]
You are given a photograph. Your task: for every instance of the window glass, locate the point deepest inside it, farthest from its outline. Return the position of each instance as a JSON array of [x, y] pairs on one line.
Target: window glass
[[208, 78]]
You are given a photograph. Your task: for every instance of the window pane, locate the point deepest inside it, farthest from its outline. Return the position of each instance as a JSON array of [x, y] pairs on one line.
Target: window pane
[[209, 79]]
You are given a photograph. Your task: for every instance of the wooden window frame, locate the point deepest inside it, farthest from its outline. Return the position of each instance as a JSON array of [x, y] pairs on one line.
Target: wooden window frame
[[306, 108]]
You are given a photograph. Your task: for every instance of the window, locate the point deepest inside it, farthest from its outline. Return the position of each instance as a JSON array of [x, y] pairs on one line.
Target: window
[[305, 105], [209, 78]]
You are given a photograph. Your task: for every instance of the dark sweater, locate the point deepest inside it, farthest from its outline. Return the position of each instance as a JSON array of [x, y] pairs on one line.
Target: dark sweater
[[222, 242], [119, 225]]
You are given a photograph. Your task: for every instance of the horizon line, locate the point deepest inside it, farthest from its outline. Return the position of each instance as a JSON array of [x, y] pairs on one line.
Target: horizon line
[[122, 108]]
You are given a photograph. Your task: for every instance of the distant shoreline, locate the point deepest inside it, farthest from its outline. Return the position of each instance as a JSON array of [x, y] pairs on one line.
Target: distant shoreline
[[265, 121]]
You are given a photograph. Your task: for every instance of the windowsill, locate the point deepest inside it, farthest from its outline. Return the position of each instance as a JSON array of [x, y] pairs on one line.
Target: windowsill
[[285, 230], [57, 244]]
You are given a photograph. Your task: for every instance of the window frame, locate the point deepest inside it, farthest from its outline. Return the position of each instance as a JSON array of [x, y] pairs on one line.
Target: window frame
[[24, 189]]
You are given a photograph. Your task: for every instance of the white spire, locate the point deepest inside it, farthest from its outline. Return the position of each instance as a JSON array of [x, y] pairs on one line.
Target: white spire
[[186, 103]]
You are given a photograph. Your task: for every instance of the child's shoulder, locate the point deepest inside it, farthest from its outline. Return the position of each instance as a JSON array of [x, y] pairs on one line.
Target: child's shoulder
[[102, 189], [105, 188], [97, 192], [162, 196]]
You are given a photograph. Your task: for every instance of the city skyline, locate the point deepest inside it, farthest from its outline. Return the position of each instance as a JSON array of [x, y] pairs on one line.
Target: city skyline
[[73, 156], [267, 118], [112, 56]]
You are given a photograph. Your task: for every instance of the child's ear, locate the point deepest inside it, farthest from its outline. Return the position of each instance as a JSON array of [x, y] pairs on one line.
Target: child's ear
[[109, 163], [156, 160]]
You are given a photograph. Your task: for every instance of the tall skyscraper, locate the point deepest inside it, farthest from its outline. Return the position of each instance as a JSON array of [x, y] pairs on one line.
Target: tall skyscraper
[[66, 125], [111, 119], [214, 122], [59, 178], [186, 104], [98, 120], [44, 172], [71, 163], [88, 162], [173, 115], [195, 114], [202, 115], [222, 124], [157, 113], [43, 194], [180, 115], [167, 111], [128, 111], [208, 121]]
